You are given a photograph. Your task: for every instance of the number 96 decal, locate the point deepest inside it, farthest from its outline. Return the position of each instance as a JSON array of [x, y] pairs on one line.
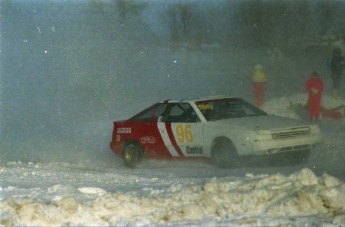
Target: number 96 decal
[[184, 133]]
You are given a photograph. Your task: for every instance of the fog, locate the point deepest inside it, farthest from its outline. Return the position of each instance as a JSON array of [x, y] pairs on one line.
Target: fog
[[70, 68]]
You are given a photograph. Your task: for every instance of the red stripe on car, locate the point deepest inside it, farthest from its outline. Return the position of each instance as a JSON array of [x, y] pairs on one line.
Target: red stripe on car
[[172, 139]]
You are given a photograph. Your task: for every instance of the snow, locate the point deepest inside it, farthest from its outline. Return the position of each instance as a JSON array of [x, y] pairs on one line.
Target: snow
[[180, 193], [283, 106], [300, 198]]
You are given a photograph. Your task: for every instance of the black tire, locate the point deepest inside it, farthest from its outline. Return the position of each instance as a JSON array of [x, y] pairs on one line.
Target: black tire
[[132, 154], [224, 153]]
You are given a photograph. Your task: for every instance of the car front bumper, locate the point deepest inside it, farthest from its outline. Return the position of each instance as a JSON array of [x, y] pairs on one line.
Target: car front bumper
[[273, 146]]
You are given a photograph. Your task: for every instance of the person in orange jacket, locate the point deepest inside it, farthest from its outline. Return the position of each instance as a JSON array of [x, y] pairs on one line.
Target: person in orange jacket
[[259, 80], [314, 86]]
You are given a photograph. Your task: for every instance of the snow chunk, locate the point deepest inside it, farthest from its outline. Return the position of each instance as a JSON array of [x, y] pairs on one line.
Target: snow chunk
[[68, 204], [92, 190], [339, 220], [62, 189], [330, 181], [334, 198], [306, 177]]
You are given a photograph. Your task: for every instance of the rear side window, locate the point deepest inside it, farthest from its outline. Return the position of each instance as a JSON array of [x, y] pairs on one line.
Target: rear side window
[[150, 114]]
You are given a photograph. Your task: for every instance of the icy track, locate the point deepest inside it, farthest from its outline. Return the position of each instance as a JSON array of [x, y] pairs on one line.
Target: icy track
[[181, 193]]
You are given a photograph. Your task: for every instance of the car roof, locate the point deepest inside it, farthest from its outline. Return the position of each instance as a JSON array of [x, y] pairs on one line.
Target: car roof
[[197, 99]]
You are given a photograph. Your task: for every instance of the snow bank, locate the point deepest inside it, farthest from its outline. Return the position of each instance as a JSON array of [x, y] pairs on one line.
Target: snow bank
[[261, 200], [284, 106]]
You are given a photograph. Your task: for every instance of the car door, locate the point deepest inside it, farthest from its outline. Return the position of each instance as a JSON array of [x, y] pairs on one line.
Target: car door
[[182, 131]]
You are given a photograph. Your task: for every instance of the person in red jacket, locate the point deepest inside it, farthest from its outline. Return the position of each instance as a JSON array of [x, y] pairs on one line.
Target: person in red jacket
[[314, 86]]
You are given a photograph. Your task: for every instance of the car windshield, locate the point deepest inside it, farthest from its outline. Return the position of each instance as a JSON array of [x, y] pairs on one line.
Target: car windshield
[[217, 109]]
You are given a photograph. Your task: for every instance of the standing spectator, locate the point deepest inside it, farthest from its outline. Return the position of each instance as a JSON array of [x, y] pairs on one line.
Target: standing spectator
[[314, 86], [259, 79], [337, 65]]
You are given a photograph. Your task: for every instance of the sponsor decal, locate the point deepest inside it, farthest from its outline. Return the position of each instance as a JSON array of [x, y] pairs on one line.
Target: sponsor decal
[[194, 150], [118, 138], [205, 107], [148, 139], [124, 130]]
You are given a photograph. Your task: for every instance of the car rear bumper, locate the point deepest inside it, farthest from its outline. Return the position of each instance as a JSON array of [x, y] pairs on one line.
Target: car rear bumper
[[115, 149]]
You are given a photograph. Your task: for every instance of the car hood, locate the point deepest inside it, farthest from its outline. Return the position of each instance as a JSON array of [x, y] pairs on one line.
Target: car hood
[[265, 122]]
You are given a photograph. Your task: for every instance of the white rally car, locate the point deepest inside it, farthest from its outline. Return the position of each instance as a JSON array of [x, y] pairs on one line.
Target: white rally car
[[223, 129]]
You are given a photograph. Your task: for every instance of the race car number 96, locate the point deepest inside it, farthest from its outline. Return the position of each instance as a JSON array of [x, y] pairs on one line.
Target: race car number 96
[[184, 133]]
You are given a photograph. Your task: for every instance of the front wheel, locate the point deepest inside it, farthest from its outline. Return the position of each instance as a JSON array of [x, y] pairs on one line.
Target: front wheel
[[224, 153], [132, 154], [301, 156]]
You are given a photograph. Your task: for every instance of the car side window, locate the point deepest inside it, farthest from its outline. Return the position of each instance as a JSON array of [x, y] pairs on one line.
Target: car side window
[[181, 112], [227, 108]]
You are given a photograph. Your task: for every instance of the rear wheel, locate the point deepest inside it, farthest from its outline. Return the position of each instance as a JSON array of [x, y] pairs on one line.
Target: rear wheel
[[132, 154], [224, 153]]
